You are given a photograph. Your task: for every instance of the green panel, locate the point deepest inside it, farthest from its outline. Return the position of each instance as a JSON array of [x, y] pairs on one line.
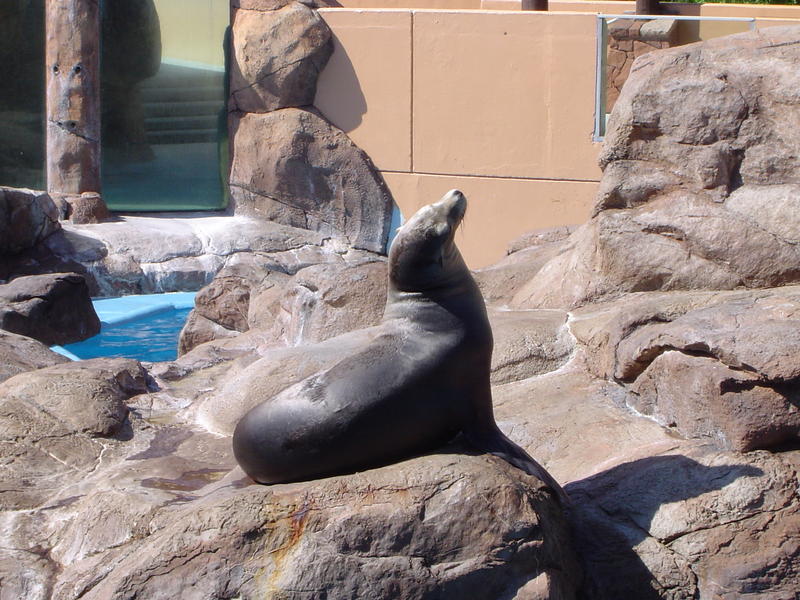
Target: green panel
[[22, 93], [164, 117]]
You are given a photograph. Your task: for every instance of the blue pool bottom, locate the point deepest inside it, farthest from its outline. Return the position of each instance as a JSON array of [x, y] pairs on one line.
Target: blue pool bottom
[[144, 327]]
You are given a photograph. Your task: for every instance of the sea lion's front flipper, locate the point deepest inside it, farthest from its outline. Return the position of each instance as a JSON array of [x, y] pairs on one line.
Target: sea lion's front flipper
[[495, 442]]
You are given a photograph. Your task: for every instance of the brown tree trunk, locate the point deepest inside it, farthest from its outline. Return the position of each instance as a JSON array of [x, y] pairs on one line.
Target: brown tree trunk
[[534, 5], [72, 63], [647, 7]]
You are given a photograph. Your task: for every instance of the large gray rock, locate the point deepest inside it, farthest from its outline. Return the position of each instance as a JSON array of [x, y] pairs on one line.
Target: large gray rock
[[690, 525], [677, 518], [317, 302], [54, 309], [145, 254], [526, 255], [26, 218], [278, 55], [700, 187], [718, 366], [293, 167], [528, 343], [326, 300], [436, 526], [50, 420], [162, 512], [19, 354]]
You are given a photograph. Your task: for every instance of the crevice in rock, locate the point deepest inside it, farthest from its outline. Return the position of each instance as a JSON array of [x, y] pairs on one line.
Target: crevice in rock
[[697, 349]]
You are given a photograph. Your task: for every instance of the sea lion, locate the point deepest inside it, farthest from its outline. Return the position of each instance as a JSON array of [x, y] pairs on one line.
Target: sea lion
[[415, 381]]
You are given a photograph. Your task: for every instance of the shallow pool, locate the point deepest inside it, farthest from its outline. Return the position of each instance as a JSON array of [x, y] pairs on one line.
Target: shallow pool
[[144, 327]]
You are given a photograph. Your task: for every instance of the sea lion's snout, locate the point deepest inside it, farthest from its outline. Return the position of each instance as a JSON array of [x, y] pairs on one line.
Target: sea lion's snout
[[455, 205]]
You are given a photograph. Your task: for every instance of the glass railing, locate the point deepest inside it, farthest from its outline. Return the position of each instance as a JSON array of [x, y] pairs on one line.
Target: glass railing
[[623, 38], [163, 92], [22, 93]]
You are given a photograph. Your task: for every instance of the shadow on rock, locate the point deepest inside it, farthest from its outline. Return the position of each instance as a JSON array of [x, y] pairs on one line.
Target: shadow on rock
[[617, 517]]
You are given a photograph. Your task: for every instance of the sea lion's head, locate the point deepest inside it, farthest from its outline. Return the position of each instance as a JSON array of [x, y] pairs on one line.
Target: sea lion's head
[[423, 255]]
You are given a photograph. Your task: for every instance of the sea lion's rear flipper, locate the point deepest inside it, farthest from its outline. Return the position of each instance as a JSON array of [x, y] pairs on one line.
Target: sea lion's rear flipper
[[496, 442]]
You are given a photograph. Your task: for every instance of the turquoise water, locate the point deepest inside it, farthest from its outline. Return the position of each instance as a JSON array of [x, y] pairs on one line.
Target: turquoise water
[[143, 327]]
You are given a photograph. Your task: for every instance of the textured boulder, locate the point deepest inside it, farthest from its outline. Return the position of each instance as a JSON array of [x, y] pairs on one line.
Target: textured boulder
[[326, 300], [278, 54], [439, 525], [318, 302], [54, 309], [729, 372], [26, 218], [689, 525], [677, 518], [528, 343], [700, 187], [221, 308], [144, 254], [49, 420], [293, 167], [19, 354], [718, 366], [526, 255]]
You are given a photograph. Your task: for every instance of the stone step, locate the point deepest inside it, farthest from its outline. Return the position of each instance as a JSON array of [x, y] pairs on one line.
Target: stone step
[[184, 93], [191, 108], [174, 123], [183, 136]]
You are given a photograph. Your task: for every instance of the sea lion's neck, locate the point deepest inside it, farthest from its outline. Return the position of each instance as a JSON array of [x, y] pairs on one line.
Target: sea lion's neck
[[458, 305]]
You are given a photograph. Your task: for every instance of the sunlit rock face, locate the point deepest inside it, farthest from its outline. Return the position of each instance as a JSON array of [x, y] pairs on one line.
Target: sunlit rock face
[[701, 182]]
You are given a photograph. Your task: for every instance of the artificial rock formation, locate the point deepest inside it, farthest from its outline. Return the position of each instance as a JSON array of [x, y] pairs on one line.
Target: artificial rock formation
[[698, 144], [277, 56], [318, 302], [19, 353], [26, 218], [288, 164], [293, 167], [54, 309]]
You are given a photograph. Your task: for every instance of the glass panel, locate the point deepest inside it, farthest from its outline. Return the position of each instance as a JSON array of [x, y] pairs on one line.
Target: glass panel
[[163, 94], [623, 38], [22, 93]]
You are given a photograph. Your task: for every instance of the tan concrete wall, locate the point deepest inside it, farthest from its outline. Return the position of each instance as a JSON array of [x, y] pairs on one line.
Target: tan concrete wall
[[498, 104], [366, 87], [499, 209]]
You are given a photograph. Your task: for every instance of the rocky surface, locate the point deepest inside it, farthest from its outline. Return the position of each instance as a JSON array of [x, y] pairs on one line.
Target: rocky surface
[[54, 309], [168, 253], [697, 145], [291, 166], [318, 302], [278, 54], [526, 255], [19, 353], [52, 421], [26, 218]]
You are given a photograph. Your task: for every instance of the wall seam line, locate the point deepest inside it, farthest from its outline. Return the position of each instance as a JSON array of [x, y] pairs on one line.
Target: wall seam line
[[509, 177]]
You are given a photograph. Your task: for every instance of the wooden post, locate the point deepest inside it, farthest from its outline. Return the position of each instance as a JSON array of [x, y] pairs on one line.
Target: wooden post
[[72, 63], [647, 7], [534, 5]]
